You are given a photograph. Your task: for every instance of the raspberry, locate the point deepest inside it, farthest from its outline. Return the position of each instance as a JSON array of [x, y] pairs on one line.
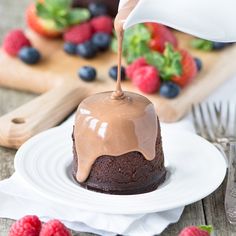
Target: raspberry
[[54, 228], [134, 66], [102, 24], [78, 34], [26, 226], [147, 79], [194, 231], [14, 41]]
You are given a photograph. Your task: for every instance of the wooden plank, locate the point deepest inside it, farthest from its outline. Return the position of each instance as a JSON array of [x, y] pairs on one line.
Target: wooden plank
[[215, 215], [192, 215]]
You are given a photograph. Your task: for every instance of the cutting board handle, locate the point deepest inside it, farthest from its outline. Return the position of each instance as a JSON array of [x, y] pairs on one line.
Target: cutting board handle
[[39, 114]]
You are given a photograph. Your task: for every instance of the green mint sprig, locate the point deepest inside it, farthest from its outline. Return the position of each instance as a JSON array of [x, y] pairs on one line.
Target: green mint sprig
[[202, 44], [61, 13], [207, 228]]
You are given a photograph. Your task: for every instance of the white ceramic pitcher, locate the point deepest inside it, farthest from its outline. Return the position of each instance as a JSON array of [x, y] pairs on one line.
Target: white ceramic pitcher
[[209, 19]]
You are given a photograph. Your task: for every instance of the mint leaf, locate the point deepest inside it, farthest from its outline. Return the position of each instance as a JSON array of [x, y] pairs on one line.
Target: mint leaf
[[135, 43], [207, 228], [172, 63], [42, 11], [61, 13], [156, 59], [78, 15], [202, 44]]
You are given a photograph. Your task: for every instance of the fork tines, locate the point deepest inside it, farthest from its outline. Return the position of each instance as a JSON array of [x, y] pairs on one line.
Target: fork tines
[[214, 120]]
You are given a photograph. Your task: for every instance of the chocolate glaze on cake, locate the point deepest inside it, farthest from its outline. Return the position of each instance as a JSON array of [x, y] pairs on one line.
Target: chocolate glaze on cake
[[129, 173], [117, 141]]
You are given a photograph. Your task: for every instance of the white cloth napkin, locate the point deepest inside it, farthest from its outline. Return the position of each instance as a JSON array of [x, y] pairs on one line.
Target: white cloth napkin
[[17, 199]]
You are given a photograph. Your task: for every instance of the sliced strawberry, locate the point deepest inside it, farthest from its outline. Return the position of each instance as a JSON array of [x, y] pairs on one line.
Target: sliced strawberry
[[41, 26], [189, 69], [160, 36], [157, 44]]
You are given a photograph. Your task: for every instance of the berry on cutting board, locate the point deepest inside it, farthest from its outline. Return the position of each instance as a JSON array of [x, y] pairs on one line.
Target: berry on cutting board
[[160, 35], [97, 9], [87, 73], [130, 69], [70, 48], [102, 24], [113, 73], [53, 228], [101, 41], [219, 45], [51, 18], [86, 50], [147, 79], [28, 225], [29, 55], [169, 90], [78, 34], [14, 41], [204, 230], [189, 69], [198, 62]]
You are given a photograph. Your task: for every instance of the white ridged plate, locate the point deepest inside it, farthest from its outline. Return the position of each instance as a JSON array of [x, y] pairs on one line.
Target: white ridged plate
[[196, 169]]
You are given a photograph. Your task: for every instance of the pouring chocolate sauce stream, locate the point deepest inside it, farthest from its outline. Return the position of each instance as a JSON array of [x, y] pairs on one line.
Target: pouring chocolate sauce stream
[[114, 123], [118, 25]]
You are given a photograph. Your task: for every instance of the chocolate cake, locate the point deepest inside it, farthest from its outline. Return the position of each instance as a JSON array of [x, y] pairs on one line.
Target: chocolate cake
[[117, 145]]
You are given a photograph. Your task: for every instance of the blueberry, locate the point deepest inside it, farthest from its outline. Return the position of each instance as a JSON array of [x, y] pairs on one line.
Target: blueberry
[[70, 48], [87, 73], [198, 62], [113, 73], [98, 9], [86, 50], [169, 90], [29, 55], [218, 45], [101, 41]]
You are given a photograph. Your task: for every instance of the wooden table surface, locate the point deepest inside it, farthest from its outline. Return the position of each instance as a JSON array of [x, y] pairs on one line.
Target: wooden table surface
[[208, 211]]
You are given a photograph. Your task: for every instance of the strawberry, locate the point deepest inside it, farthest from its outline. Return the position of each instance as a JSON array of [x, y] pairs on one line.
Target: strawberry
[[130, 69], [196, 231], [146, 78], [160, 35], [43, 27], [102, 24], [50, 18], [189, 69]]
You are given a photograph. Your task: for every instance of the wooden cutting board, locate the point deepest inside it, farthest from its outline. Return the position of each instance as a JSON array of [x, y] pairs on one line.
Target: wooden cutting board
[[56, 78]]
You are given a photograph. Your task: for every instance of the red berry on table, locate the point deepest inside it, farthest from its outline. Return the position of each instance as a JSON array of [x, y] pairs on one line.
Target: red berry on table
[[160, 36], [146, 78], [189, 69], [78, 34], [130, 69], [14, 41], [194, 231], [102, 24], [28, 225], [53, 228], [41, 26]]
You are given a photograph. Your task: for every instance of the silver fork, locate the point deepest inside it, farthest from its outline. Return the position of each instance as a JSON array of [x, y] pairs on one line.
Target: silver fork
[[216, 124]]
